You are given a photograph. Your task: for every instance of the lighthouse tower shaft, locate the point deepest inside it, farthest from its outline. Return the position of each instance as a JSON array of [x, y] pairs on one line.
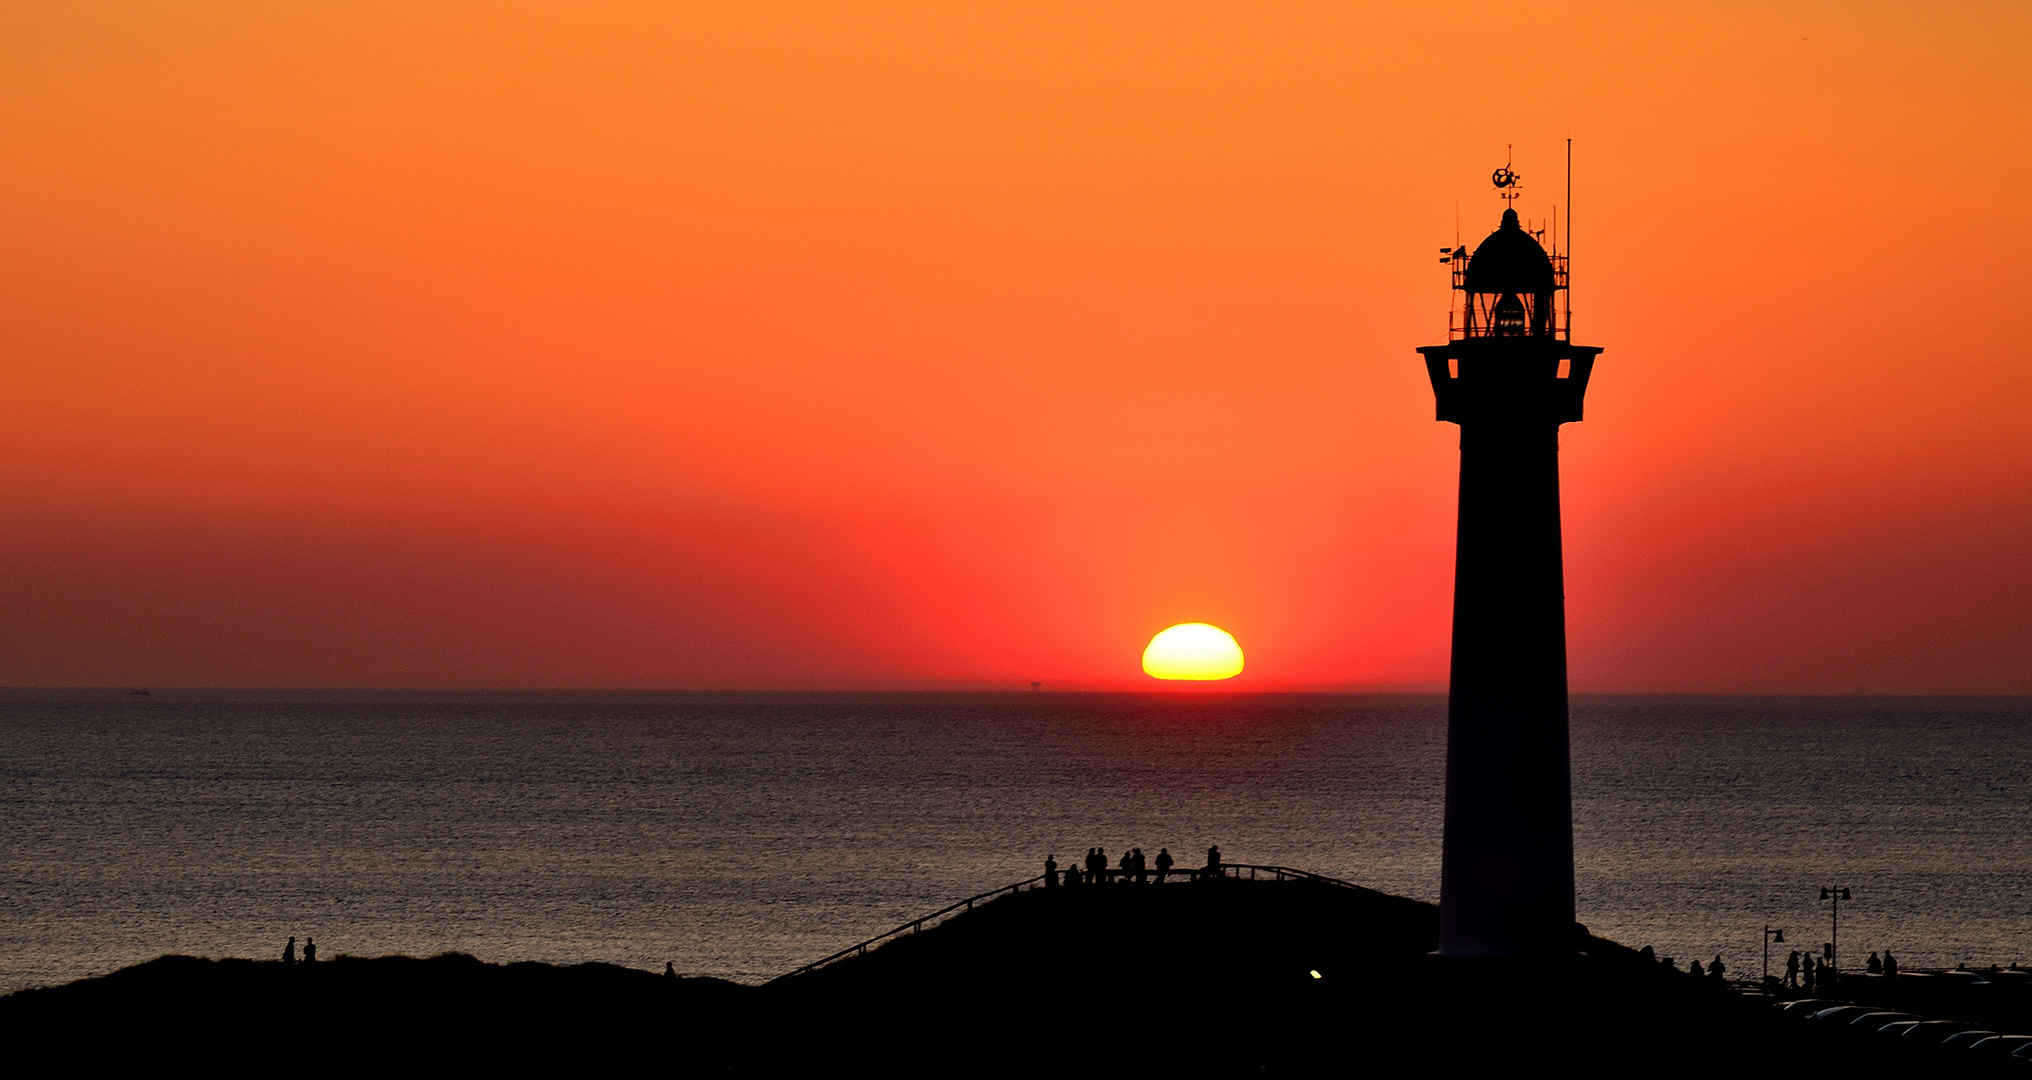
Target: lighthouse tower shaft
[[1509, 378]]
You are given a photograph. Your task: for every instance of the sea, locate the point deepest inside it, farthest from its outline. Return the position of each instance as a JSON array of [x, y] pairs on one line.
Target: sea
[[740, 835]]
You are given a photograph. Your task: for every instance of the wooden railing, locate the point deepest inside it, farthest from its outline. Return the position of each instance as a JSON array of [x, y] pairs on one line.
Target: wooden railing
[[1285, 873], [915, 925], [1233, 871]]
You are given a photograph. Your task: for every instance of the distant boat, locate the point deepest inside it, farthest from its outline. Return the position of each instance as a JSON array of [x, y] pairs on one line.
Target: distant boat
[[141, 692]]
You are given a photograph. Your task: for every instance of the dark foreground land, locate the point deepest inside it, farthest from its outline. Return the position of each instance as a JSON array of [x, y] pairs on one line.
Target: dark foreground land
[[1210, 977]]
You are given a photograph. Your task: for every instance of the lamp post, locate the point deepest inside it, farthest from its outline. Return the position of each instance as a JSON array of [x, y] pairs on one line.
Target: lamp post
[[1771, 935], [1834, 929]]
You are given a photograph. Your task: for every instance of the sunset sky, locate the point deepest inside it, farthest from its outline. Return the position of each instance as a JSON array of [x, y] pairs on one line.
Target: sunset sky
[[965, 344]]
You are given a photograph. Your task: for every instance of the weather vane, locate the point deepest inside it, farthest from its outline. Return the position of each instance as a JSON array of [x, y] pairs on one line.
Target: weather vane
[[1506, 179]]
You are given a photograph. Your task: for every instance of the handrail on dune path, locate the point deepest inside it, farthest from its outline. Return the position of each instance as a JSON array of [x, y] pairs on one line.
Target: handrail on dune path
[[1225, 870], [913, 926]]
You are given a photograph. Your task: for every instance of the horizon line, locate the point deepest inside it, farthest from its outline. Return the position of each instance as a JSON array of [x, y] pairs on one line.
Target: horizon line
[[1198, 690]]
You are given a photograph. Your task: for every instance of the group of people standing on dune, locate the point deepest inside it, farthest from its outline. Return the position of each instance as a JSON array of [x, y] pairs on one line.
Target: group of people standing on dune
[[1807, 973], [309, 952], [1094, 868]]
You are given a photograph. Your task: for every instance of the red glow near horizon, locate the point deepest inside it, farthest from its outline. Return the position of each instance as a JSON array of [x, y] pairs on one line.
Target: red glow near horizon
[[910, 345]]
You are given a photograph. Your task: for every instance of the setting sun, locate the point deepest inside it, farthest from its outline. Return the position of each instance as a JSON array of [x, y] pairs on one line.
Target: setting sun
[[1193, 651]]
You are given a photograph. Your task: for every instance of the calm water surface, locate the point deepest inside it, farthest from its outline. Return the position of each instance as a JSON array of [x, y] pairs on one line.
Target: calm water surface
[[742, 834]]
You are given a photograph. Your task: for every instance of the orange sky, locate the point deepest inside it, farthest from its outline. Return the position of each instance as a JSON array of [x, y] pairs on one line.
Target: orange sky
[[764, 344]]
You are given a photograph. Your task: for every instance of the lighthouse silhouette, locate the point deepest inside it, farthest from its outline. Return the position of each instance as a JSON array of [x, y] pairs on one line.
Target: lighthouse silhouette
[[1509, 375]]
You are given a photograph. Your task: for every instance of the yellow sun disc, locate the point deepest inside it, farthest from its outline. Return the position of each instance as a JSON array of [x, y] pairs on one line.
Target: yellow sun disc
[[1193, 650]]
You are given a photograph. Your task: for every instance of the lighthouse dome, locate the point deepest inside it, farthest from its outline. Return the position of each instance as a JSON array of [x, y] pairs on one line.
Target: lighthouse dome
[[1509, 261]]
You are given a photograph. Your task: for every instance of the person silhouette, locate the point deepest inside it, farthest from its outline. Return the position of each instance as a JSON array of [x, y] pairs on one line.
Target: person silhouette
[[1050, 871], [1792, 970], [289, 952], [1809, 975], [1891, 965], [1693, 968], [1647, 954], [1142, 873], [309, 951], [669, 970], [1163, 864], [1715, 970], [1128, 864], [1874, 966]]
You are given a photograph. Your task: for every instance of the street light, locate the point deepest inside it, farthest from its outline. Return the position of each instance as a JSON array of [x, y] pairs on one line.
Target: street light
[[1834, 930], [1771, 935]]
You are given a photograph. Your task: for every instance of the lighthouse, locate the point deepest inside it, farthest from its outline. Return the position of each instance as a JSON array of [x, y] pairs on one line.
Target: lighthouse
[[1509, 375]]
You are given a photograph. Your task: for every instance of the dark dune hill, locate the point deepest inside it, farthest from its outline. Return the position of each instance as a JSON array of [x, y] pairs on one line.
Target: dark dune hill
[[1186, 977], [1218, 971], [1218, 977], [348, 1012]]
